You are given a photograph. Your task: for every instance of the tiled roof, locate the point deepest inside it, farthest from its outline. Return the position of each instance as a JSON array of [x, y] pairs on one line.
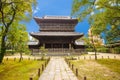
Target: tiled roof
[[45, 20]]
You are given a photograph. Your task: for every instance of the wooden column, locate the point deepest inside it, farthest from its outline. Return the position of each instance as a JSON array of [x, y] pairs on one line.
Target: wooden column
[[70, 46], [62, 48], [32, 51], [44, 45], [52, 47]]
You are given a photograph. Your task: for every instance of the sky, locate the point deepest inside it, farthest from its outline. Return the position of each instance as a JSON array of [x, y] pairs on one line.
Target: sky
[[55, 8]]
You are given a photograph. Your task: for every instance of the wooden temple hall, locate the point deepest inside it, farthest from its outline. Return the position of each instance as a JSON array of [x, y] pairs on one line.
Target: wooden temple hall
[[56, 33]]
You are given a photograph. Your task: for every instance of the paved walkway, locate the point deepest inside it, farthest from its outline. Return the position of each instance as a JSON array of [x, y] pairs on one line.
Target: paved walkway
[[57, 69]]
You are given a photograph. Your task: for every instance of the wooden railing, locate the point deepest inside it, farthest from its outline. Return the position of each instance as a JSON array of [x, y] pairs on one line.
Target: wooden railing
[[60, 51]]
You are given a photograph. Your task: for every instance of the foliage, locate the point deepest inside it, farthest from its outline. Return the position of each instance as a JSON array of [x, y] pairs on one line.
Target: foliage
[[103, 49], [103, 16], [16, 35], [43, 52], [21, 39], [89, 50], [21, 45], [87, 42], [91, 45], [17, 39], [10, 52], [12, 11], [116, 50], [99, 49], [113, 34]]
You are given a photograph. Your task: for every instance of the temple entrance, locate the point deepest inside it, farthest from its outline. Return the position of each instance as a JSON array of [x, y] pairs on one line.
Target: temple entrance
[[57, 45], [57, 48]]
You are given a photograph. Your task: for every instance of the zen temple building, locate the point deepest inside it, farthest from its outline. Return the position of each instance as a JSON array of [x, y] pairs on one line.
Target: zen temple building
[[56, 33]]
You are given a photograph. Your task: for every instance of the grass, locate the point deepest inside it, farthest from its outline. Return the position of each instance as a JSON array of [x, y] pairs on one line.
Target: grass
[[103, 69], [14, 70], [112, 64]]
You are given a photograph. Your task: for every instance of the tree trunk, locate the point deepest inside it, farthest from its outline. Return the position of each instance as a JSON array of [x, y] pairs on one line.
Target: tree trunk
[[20, 57], [94, 48], [12, 50], [95, 51], [3, 48]]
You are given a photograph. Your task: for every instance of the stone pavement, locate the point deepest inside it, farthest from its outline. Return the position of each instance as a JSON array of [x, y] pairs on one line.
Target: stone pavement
[[57, 69]]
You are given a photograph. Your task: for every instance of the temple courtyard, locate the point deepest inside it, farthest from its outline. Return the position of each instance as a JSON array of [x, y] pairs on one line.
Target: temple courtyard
[[107, 67]]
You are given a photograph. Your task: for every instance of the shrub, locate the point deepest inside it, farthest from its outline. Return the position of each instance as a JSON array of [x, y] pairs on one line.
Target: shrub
[[116, 50], [103, 49]]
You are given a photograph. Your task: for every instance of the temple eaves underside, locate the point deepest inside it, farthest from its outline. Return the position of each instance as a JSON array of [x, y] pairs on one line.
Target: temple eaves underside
[[56, 37]]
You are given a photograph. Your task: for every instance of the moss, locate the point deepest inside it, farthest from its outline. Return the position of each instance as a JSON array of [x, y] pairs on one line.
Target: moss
[[14, 70]]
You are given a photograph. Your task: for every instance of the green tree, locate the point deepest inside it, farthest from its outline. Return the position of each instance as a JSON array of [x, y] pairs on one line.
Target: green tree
[[13, 36], [90, 44], [17, 38], [102, 16], [43, 51], [22, 46], [12, 11]]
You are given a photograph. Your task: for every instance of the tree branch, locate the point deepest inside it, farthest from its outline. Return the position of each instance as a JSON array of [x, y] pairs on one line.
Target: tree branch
[[13, 16], [3, 21], [111, 7], [13, 2], [7, 25], [94, 2]]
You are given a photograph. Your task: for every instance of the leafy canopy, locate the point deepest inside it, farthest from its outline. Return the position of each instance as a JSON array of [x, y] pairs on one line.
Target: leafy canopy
[[103, 15], [12, 13]]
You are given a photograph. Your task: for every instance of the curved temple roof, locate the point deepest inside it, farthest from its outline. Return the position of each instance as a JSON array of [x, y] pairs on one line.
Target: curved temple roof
[[55, 19]]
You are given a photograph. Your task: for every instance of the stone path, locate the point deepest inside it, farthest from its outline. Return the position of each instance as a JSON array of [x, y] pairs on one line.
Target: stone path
[[57, 69]]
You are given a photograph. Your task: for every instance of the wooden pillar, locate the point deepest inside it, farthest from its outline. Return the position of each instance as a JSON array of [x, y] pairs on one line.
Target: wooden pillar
[[62, 48], [44, 45], [52, 47], [30, 78], [70, 46], [32, 51]]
